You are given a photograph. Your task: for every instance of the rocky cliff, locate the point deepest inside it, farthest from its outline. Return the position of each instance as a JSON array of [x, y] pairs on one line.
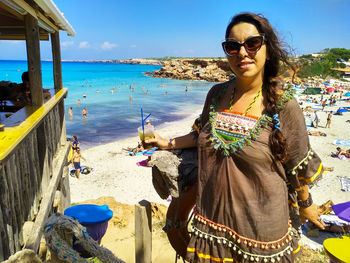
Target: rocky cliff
[[213, 70]]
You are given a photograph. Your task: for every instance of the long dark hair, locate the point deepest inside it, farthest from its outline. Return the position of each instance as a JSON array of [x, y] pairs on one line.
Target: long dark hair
[[276, 54]]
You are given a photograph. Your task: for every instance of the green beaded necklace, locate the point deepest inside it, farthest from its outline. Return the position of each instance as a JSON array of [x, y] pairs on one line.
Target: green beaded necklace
[[250, 105]]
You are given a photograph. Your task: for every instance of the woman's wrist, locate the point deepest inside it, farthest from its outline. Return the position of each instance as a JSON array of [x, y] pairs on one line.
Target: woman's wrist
[[305, 203]]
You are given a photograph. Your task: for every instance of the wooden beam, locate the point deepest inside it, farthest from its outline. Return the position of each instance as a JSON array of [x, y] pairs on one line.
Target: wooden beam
[[59, 162], [34, 63], [22, 37], [143, 232], [56, 56]]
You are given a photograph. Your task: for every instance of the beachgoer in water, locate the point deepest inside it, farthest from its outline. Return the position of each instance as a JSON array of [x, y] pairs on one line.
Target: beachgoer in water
[[70, 112], [84, 113], [130, 98], [84, 95], [165, 93], [78, 102], [329, 120], [76, 161], [147, 92], [249, 184], [186, 89], [148, 123]]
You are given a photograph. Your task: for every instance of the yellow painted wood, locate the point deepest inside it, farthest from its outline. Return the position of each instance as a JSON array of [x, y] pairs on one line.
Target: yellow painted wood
[[18, 126], [338, 248]]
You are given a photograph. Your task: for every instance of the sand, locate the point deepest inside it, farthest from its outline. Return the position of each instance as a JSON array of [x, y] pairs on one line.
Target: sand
[[117, 175]]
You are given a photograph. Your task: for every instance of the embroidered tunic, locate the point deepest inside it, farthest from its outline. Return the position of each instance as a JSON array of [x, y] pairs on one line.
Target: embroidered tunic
[[242, 211]]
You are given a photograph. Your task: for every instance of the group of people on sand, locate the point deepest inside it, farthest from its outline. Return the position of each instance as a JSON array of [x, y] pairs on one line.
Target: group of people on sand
[[341, 153], [317, 120]]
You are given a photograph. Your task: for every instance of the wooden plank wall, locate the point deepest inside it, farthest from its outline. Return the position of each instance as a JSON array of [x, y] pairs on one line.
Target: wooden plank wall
[[24, 176]]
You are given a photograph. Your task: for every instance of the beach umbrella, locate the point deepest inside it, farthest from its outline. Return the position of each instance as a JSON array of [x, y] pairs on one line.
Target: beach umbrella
[[347, 94], [330, 90], [342, 210]]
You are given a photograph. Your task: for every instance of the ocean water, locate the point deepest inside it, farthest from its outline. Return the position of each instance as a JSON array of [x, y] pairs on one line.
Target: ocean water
[[112, 115]]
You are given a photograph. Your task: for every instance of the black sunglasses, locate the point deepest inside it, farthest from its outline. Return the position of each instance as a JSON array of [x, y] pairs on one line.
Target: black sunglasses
[[251, 45]]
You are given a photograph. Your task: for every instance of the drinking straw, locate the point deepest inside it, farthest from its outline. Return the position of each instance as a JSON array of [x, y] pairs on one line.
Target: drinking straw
[[143, 126], [143, 122]]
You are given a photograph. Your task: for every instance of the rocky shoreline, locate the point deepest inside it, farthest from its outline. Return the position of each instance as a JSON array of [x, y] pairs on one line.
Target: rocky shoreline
[[212, 70]]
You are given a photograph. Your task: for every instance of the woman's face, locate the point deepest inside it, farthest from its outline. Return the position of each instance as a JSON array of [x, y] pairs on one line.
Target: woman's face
[[245, 65]]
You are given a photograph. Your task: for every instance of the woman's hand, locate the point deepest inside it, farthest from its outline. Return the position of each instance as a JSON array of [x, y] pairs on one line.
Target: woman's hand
[[311, 213], [160, 142]]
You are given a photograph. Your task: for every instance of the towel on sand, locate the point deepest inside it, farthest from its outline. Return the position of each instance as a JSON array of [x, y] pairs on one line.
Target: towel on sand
[[341, 142], [345, 183]]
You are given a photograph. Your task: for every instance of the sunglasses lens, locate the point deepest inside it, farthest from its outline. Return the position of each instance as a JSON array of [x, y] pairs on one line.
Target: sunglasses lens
[[253, 44], [231, 47]]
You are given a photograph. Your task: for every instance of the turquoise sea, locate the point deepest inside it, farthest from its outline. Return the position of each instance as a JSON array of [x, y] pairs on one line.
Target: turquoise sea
[[112, 116]]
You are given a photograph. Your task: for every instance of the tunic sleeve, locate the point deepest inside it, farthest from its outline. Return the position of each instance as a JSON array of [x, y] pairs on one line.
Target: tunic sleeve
[[204, 116], [303, 165]]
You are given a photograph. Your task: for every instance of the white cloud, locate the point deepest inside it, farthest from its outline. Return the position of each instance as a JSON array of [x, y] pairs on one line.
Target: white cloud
[[133, 46], [108, 46], [84, 44], [66, 44]]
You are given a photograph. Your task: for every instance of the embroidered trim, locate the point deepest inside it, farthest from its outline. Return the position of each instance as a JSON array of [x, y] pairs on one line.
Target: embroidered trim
[[233, 146], [241, 239], [252, 257], [310, 180], [302, 164]]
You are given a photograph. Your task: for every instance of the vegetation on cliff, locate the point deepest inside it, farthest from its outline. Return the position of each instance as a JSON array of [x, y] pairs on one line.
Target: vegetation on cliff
[[322, 65]]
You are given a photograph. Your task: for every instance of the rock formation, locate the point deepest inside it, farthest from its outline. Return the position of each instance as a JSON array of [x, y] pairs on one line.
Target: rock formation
[[213, 70]]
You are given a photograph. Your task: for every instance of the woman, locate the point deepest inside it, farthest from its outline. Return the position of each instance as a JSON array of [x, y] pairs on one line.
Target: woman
[[254, 156]]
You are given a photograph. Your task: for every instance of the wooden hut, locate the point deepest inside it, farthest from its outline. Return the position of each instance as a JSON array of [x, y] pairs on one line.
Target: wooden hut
[[33, 147]]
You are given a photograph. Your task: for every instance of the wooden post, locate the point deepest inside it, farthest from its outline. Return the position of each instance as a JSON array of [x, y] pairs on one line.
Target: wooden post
[[56, 56], [33, 57], [143, 232]]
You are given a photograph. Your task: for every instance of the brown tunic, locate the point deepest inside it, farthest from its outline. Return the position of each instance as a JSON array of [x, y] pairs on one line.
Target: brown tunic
[[242, 211]]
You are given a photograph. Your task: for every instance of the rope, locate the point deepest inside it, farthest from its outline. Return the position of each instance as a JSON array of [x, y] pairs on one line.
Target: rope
[[58, 231]]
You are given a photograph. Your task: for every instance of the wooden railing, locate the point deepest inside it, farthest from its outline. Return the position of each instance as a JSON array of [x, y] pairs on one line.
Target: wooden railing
[[33, 151]]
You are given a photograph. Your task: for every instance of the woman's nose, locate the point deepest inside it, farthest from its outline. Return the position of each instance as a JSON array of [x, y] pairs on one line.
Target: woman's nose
[[242, 52]]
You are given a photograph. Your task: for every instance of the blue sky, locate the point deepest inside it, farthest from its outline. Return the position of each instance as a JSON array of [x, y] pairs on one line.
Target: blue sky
[[119, 29]]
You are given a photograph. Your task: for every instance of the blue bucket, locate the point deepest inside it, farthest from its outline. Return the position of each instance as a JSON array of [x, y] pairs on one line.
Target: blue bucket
[[94, 217]]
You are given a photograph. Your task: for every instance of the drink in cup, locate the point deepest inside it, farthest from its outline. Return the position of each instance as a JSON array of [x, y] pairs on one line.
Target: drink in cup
[[147, 134]]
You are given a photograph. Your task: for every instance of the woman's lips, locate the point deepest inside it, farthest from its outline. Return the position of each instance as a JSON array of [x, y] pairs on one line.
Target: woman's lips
[[244, 65]]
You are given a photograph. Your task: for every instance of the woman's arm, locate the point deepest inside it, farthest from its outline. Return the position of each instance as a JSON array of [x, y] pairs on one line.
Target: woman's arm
[[186, 141], [307, 209]]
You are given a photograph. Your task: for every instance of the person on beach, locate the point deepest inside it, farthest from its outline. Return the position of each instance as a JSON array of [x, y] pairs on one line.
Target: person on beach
[[75, 143], [76, 161], [254, 158], [316, 120], [329, 120], [78, 102]]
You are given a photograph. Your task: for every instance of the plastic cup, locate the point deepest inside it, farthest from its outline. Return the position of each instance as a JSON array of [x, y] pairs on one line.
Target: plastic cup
[[148, 133]]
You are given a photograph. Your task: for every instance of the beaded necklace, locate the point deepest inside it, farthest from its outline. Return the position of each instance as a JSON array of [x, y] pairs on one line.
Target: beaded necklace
[[250, 105]]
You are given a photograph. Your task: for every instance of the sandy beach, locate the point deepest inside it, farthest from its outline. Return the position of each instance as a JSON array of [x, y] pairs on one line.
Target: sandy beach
[[117, 175]]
